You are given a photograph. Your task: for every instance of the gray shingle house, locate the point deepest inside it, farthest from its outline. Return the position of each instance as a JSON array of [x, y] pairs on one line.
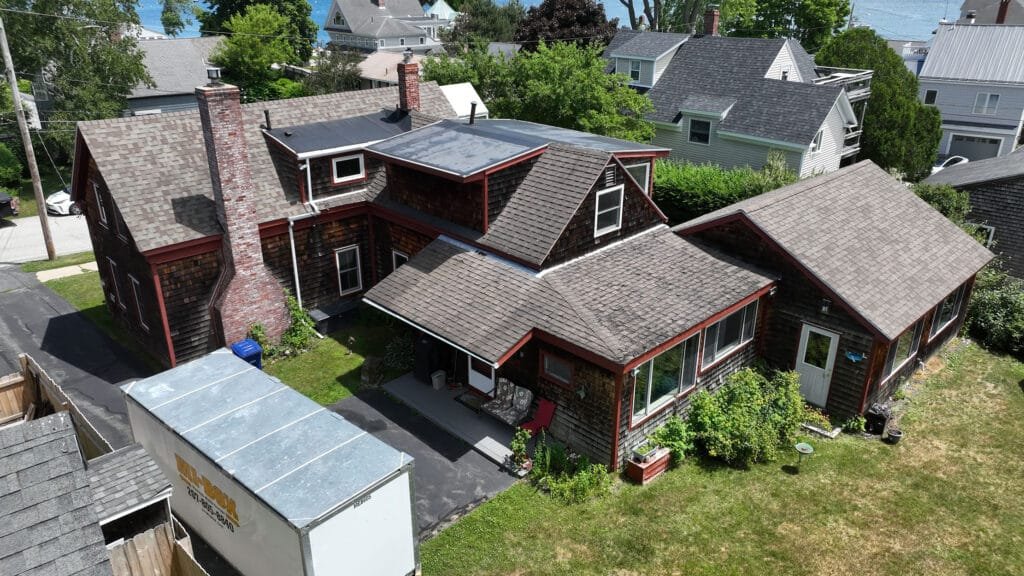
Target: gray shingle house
[[730, 101], [974, 74], [996, 189], [176, 66], [372, 25]]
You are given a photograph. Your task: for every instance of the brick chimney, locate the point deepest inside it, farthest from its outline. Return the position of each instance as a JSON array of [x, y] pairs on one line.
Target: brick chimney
[[1004, 7], [247, 293], [408, 82], [711, 17]]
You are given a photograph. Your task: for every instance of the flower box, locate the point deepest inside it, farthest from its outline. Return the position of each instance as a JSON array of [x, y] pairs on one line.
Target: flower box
[[644, 472]]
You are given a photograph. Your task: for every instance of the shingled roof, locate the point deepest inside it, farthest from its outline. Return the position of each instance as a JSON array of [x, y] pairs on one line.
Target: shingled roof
[[157, 172], [976, 172], [124, 480], [48, 524], [176, 65], [379, 18], [646, 45], [716, 66], [617, 303], [885, 252]]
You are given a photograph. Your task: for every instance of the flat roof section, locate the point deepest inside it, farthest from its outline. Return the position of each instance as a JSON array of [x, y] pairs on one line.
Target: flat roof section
[[308, 139]]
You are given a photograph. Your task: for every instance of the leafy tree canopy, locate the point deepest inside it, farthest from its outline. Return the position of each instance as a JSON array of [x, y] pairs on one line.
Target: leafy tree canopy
[[562, 85], [175, 15], [336, 71], [483, 21], [258, 40], [952, 203], [301, 32], [812, 22], [580, 21], [900, 133], [688, 15]]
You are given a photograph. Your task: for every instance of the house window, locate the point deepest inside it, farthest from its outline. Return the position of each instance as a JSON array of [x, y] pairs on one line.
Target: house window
[[608, 216], [401, 41], [634, 70], [816, 143], [785, 74], [398, 258], [669, 374], [339, 20], [137, 293], [380, 43], [700, 131], [729, 334], [423, 40], [987, 232], [350, 277], [986, 103], [348, 168], [100, 207], [947, 311], [556, 368], [115, 295], [903, 348], [929, 96], [642, 174]]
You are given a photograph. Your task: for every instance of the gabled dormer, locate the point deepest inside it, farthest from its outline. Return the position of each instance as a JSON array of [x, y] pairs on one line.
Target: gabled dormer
[[644, 56]]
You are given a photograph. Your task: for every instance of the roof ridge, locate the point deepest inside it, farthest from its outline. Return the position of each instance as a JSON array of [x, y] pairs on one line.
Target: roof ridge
[[797, 189]]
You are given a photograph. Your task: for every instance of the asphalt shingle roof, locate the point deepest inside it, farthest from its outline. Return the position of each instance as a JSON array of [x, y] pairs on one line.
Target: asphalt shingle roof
[[987, 170], [157, 172], [367, 18], [617, 303], [123, 480], [869, 239], [48, 524], [978, 52], [176, 65], [646, 45], [734, 68]]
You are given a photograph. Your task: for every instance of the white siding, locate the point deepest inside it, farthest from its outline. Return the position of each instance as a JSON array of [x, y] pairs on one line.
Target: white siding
[[784, 61], [955, 102], [661, 64], [646, 71], [725, 153], [827, 159]]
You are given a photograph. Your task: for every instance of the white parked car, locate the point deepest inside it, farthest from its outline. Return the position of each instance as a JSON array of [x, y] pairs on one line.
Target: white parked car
[[951, 161], [60, 203]]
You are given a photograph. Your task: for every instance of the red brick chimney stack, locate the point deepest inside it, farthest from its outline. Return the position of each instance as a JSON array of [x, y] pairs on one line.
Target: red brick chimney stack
[[408, 82], [247, 292], [711, 17], [1004, 7]]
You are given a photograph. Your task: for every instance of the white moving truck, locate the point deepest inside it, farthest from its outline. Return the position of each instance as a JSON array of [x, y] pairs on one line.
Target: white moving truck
[[277, 484]]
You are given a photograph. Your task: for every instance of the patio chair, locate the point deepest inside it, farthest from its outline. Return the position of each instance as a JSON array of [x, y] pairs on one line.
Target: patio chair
[[511, 403], [542, 417]]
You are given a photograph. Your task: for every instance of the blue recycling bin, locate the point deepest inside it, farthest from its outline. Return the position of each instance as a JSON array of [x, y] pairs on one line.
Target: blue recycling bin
[[250, 351]]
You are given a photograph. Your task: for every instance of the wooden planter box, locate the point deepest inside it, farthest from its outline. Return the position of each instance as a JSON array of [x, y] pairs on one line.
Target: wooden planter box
[[644, 472]]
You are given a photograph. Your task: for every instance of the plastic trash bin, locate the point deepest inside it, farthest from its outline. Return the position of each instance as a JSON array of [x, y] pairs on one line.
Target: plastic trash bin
[[250, 351], [438, 379]]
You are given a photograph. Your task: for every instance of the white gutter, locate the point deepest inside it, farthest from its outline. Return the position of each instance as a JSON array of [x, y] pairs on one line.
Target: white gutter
[[291, 230]]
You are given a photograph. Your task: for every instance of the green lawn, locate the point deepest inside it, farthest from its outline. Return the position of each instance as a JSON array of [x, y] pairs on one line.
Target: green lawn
[[949, 499], [60, 262], [51, 183], [332, 368]]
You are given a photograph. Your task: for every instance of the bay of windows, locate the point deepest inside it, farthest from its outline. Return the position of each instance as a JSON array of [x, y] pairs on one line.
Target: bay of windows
[[729, 333], [669, 374]]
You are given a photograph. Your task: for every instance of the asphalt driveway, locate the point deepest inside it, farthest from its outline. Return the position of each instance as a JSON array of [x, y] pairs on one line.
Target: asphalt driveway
[[450, 477]]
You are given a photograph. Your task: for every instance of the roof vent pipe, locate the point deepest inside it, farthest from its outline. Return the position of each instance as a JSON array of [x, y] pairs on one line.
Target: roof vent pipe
[[266, 116], [472, 112], [971, 15]]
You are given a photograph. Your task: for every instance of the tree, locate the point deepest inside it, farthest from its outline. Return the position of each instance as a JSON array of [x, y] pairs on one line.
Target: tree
[[483, 21], [688, 15], [900, 133], [257, 41], [950, 202], [176, 14], [301, 33], [580, 21], [338, 71], [562, 85], [812, 22], [85, 61]]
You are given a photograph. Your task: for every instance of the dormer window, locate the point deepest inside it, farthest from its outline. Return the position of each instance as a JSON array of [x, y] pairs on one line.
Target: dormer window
[[348, 168], [608, 213], [634, 70], [339, 20]]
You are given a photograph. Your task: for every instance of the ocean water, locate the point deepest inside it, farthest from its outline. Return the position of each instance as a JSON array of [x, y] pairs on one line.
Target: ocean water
[[893, 19]]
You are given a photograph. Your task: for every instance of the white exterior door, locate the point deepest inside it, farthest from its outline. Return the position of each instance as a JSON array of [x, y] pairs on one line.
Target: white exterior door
[[481, 375], [814, 362]]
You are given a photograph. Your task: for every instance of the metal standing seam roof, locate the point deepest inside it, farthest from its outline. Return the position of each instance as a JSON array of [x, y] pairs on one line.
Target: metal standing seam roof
[[342, 132], [299, 458], [977, 52], [888, 254]]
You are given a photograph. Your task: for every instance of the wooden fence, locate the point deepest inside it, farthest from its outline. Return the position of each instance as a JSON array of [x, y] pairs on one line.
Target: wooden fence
[[154, 552]]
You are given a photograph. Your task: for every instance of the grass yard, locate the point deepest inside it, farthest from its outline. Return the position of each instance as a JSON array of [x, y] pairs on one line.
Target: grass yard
[[949, 499], [51, 183], [332, 368], [60, 262]]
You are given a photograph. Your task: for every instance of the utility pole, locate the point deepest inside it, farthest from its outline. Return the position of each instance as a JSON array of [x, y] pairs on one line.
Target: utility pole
[[26, 139]]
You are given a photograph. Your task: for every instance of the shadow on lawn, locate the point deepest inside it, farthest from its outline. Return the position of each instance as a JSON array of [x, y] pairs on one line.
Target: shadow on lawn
[[367, 333]]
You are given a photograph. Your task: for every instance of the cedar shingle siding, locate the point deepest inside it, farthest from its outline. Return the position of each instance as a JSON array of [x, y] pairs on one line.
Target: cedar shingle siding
[[1001, 206], [187, 285]]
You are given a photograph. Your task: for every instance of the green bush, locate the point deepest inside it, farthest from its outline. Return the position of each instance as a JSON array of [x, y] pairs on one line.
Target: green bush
[[684, 191], [749, 417], [995, 317], [674, 434], [10, 167], [814, 417], [567, 477], [300, 332], [854, 425], [952, 203]]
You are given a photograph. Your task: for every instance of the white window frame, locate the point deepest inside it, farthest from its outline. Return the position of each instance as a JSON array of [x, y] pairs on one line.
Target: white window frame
[[620, 189], [988, 108], [638, 71], [990, 232], [351, 178], [100, 207], [359, 270], [136, 291], [646, 184], [636, 418], [957, 304], [395, 255], [934, 94], [689, 135], [380, 43], [720, 355], [816, 143], [112, 268], [915, 345]]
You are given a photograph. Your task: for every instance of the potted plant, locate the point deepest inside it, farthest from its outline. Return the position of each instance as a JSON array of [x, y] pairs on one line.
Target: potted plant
[[648, 462], [644, 451], [893, 435], [520, 460]]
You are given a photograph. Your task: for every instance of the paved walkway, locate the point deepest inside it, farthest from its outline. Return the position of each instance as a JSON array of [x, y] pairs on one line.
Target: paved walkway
[[64, 272], [21, 239]]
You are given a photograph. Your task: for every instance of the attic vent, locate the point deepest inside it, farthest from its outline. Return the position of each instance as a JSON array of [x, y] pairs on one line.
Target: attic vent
[[609, 176]]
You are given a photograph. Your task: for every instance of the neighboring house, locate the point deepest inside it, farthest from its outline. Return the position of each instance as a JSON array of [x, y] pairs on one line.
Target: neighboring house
[[465, 101], [992, 12], [440, 10], [506, 50], [974, 75], [996, 188], [732, 101], [371, 25], [176, 67], [862, 299], [913, 53], [380, 69]]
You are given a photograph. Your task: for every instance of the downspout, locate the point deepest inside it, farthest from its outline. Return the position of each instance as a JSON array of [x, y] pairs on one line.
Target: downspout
[[291, 230]]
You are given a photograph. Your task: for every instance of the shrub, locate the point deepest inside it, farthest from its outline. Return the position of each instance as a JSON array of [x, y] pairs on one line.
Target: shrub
[[814, 417], [10, 167], [568, 477], [952, 203], [854, 425], [748, 418], [300, 331], [518, 446], [674, 434], [995, 317]]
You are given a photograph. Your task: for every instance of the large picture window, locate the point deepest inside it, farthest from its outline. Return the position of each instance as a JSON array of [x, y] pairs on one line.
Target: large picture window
[[671, 373], [729, 333], [350, 277], [903, 349], [608, 216], [348, 168], [947, 311]]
